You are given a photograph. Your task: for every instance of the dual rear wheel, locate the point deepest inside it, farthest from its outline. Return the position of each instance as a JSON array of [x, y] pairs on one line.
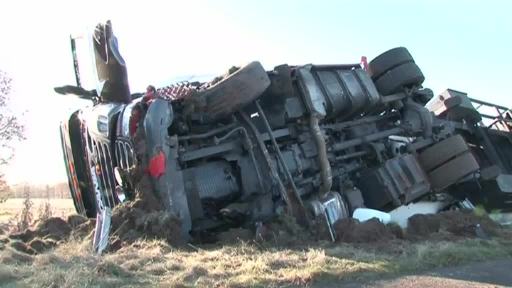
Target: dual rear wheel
[[394, 70]]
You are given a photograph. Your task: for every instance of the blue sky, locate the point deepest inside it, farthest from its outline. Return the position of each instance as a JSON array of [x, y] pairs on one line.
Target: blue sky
[[464, 45]]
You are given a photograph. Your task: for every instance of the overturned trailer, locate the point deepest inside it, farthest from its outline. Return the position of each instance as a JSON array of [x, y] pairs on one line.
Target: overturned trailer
[[314, 141]]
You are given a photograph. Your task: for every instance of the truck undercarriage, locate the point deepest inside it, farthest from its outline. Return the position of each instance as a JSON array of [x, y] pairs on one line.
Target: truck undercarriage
[[313, 141]]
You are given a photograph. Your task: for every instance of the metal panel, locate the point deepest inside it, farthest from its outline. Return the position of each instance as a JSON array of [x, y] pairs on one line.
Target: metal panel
[[212, 180], [399, 181], [336, 92]]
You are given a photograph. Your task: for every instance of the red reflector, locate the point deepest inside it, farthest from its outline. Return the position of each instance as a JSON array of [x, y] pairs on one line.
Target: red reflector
[[156, 167]]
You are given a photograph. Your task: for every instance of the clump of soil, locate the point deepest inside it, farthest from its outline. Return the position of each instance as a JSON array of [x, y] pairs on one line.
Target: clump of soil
[[47, 234], [54, 228], [284, 231], [85, 230], [350, 230], [421, 225], [130, 224], [74, 221], [13, 256], [145, 216], [452, 224]]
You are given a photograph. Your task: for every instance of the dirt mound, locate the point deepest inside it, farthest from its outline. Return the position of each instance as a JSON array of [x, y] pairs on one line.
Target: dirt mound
[[12, 256], [130, 224], [47, 234], [76, 220], [22, 247], [55, 228], [84, 230], [423, 225], [449, 225], [352, 231], [41, 245], [145, 217], [453, 224]]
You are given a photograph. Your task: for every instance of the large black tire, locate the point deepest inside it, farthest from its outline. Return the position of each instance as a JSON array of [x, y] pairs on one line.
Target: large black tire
[[82, 193], [236, 91], [394, 80], [388, 60]]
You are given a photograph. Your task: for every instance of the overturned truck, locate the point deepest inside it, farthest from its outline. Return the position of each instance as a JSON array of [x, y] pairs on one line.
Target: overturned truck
[[314, 141]]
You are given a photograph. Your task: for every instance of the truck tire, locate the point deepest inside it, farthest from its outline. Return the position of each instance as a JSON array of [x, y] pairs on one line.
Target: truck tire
[[236, 91], [452, 171], [388, 60], [394, 80], [442, 152]]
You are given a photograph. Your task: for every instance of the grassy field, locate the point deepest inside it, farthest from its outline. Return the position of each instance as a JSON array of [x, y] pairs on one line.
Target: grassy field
[[155, 264], [12, 206]]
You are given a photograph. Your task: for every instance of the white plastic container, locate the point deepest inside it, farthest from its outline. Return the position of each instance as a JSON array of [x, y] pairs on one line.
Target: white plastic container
[[365, 214]]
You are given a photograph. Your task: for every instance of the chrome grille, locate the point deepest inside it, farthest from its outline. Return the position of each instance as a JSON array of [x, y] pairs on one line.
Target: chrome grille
[[124, 154], [101, 155]]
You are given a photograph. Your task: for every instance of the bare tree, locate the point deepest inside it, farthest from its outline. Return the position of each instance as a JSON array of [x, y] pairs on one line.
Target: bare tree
[[10, 128]]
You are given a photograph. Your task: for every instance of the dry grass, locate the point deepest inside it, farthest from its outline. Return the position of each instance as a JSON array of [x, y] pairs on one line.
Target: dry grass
[[156, 264], [153, 263]]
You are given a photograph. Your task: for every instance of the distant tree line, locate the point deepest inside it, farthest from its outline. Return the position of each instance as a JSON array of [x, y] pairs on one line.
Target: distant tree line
[[59, 190]]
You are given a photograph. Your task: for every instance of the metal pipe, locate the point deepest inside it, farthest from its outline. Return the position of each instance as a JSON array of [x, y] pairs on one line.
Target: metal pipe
[[361, 121], [264, 151], [488, 116], [294, 200], [488, 104], [323, 161], [278, 151], [351, 155], [366, 139], [207, 134]]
